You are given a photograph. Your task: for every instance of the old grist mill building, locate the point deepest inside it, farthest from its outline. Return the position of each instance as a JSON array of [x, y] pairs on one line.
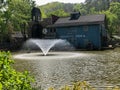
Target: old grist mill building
[[83, 32]]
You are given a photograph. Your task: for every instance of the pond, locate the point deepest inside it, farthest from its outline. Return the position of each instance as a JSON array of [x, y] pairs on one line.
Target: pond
[[99, 68]]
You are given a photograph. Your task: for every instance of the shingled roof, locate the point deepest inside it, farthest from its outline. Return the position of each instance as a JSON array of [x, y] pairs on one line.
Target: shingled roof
[[82, 20]]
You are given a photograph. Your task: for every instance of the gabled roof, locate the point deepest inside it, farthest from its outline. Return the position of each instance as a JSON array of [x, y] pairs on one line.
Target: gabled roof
[[82, 20], [46, 21]]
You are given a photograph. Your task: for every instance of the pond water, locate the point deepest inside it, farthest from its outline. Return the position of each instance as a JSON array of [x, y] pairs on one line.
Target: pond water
[[99, 68]]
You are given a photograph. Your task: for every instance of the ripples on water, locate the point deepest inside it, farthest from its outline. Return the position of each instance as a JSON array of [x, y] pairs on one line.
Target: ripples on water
[[99, 68]]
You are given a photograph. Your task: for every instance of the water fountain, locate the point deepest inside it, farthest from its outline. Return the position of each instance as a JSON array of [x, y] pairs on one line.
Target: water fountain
[[46, 44], [59, 68]]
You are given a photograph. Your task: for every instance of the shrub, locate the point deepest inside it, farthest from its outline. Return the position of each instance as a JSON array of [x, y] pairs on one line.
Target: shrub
[[10, 79], [76, 86], [85, 86]]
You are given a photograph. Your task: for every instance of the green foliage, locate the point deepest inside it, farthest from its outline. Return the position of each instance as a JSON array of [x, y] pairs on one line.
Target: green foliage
[[80, 86], [13, 13], [80, 7], [56, 8], [98, 5], [60, 13], [115, 9], [111, 21], [76, 86], [84, 86], [113, 17], [20, 12], [10, 79]]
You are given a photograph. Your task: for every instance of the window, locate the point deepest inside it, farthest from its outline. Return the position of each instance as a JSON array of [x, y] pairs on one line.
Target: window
[[53, 30]]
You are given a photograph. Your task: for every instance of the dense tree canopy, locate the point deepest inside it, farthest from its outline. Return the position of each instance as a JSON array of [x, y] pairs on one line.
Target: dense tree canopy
[[56, 7], [113, 17], [13, 13]]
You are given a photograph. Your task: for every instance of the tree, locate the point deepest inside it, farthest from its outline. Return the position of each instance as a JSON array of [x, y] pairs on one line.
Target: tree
[[13, 13], [3, 31], [81, 8], [98, 5], [113, 18], [115, 9], [60, 13], [53, 8], [111, 21], [21, 12]]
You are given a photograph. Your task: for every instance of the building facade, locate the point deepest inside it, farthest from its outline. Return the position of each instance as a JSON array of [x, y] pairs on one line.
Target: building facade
[[83, 32]]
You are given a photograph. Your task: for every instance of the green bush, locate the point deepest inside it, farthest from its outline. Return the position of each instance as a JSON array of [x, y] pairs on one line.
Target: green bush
[[10, 79]]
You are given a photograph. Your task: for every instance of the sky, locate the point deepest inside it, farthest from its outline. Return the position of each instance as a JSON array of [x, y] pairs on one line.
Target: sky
[[42, 2]]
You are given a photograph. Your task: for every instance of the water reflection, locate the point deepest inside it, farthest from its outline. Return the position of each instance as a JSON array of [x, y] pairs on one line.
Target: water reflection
[[100, 68]]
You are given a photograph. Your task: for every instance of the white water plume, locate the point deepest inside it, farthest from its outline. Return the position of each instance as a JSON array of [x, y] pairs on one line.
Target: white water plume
[[46, 44]]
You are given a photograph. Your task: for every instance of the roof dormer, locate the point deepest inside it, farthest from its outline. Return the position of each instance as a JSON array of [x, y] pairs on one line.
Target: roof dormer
[[74, 15]]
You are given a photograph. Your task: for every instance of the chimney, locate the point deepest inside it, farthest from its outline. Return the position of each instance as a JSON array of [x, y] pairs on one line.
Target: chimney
[[74, 15]]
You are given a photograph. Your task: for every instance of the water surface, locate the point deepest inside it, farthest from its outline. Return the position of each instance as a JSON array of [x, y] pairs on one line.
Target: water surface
[[99, 68]]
